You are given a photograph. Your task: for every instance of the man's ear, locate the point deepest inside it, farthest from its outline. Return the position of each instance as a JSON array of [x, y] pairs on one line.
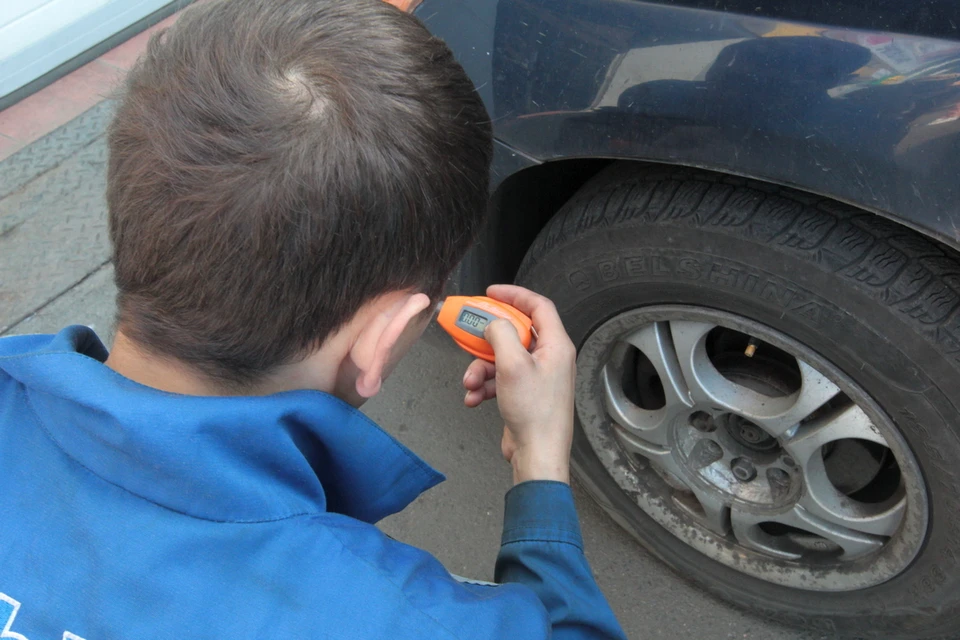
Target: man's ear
[[378, 339]]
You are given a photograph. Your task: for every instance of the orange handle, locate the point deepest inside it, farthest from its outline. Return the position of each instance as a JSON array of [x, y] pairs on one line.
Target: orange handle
[[465, 317]]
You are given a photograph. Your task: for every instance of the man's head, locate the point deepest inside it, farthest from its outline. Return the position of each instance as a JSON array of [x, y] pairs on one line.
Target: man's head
[[278, 166]]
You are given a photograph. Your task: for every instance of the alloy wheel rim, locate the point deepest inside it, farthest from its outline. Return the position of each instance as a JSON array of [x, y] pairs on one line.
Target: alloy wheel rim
[[751, 448]]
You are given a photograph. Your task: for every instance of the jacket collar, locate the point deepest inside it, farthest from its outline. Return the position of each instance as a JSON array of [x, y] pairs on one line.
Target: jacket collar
[[237, 459]]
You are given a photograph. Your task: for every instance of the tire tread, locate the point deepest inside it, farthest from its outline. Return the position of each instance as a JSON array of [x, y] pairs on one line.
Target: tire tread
[[914, 275]]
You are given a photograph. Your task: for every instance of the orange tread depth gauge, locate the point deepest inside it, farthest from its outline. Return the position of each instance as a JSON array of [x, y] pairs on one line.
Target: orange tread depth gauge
[[465, 317]]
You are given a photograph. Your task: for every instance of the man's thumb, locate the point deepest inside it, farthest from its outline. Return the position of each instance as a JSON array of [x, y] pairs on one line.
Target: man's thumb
[[503, 337]]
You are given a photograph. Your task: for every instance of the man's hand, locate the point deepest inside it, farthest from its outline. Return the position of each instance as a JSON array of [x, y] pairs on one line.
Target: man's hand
[[534, 390]]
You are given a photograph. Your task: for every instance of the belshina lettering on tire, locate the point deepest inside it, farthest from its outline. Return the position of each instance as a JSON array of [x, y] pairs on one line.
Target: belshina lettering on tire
[[735, 339]]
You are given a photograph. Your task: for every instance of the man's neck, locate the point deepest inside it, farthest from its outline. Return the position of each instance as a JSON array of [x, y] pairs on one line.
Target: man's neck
[[166, 374], [319, 372]]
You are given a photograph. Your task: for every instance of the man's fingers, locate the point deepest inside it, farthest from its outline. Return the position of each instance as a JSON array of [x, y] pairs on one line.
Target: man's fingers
[[507, 348], [475, 397], [477, 373], [539, 309]]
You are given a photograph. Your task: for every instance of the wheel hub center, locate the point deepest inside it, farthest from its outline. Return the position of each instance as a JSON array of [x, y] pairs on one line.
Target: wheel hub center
[[749, 434], [735, 459]]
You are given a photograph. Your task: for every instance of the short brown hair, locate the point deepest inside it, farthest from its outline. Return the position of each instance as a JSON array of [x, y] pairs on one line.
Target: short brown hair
[[274, 164]]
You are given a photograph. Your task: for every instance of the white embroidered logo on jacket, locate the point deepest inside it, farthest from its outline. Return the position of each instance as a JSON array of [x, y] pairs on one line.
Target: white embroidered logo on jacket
[[8, 611]]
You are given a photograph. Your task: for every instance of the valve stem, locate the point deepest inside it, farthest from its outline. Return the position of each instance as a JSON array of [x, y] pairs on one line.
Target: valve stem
[[751, 348]]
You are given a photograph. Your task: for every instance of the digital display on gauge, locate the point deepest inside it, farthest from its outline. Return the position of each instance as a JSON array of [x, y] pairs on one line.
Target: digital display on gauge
[[472, 319]]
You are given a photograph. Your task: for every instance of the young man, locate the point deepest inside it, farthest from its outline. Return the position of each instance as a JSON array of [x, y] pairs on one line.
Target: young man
[[290, 184]]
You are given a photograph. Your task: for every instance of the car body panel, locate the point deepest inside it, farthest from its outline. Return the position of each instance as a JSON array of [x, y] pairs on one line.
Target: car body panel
[[867, 117]]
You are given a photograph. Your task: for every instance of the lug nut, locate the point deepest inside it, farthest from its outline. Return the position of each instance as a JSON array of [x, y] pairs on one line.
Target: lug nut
[[743, 470], [702, 422]]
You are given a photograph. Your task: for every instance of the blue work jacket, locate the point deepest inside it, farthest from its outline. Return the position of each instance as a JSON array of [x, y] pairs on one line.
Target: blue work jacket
[[130, 513]]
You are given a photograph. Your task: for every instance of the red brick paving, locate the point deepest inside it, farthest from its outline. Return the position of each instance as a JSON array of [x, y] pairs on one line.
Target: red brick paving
[[55, 105], [9, 146]]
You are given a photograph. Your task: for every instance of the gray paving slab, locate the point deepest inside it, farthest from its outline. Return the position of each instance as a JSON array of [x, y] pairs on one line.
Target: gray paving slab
[[91, 302], [54, 148], [53, 233]]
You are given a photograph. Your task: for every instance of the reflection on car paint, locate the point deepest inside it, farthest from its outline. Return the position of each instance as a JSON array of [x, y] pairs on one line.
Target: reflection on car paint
[[864, 117]]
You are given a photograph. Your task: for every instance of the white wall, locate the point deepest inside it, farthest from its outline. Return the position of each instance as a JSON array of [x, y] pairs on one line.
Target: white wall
[[13, 9], [36, 36]]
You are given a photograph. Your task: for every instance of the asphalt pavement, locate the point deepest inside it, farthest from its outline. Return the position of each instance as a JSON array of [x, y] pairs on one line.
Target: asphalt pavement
[[55, 271]]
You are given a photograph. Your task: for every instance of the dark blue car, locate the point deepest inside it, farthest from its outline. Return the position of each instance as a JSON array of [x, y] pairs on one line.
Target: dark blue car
[[747, 215]]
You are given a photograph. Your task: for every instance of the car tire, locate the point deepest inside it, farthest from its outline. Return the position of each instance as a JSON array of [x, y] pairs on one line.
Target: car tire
[[877, 302]]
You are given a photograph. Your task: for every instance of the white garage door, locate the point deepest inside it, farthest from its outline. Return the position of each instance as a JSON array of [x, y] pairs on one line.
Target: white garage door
[[37, 36]]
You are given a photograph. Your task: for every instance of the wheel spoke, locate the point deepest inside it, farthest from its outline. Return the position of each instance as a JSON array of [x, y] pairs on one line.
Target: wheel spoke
[[716, 513], [747, 531], [708, 386], [852, 543], [849, 421], [703, 382], [821, 497], [656, 342], [648, 425], [815, 391], [823, 500], [660, 456]]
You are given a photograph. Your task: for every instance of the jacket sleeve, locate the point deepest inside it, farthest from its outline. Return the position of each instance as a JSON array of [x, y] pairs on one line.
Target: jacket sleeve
[[544, 589], [542, 549]]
